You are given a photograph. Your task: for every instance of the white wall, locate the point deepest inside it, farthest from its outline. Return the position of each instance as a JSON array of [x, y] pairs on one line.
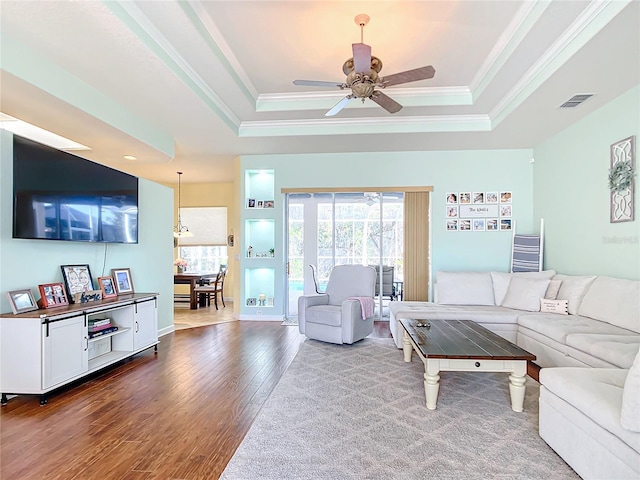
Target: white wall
[[28, 263], [571, 194]]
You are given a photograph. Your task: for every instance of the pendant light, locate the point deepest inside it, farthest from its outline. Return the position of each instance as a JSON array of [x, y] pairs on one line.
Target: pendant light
[[180, 231]]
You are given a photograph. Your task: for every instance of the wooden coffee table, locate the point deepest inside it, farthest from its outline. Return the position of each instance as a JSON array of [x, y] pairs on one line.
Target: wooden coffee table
[[464, 346]]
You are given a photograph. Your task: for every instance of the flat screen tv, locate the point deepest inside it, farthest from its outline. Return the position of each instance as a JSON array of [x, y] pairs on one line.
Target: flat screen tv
[[60, 196]]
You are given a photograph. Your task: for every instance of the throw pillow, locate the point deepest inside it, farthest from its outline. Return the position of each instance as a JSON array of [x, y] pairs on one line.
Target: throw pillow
[[553, 289], [573, 289], [554, 306], [525, 293], [465, 288], [630, 413], [501, 281]]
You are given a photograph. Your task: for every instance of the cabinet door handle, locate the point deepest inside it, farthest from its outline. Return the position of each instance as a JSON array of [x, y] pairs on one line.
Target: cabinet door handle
[[86, 347], [137, 327]]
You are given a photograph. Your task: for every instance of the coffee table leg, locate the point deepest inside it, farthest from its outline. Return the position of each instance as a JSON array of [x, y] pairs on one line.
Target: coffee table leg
[[517, 380], [407, 347], [431, 382]]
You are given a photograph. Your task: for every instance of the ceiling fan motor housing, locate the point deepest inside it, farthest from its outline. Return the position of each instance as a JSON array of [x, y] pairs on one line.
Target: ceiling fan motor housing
[[362, 85]]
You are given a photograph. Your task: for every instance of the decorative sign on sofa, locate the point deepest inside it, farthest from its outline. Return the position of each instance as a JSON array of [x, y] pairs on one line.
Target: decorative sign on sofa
[[478, 211], [621, 179]]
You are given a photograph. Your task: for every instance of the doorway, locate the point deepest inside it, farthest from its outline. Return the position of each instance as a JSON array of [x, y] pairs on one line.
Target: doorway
[[325, 229]]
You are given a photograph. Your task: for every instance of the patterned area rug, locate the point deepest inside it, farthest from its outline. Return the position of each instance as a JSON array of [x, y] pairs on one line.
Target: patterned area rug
[[358, 412]]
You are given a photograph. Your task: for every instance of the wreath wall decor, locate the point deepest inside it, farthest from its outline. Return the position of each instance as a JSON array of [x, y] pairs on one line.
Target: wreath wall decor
[[621, 180]]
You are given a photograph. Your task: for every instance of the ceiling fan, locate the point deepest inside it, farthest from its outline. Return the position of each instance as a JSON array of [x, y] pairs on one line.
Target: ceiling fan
[[363, 79]]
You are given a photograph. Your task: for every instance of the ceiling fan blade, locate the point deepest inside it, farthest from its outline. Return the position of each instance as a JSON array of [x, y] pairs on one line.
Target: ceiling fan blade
[[422, 73], [361, 58], [386, 102], [339, 106], [315, 83]]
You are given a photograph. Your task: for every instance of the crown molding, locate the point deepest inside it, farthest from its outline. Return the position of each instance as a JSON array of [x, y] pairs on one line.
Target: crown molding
[[208, 31], [377, 125], [140, 24], [522, 23], [321, 100], [592, 19]]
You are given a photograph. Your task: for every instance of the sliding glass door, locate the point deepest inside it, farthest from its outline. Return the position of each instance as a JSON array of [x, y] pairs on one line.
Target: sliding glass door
[[327, 229]]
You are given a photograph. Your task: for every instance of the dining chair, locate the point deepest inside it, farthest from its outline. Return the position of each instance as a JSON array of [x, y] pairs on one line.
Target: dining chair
[[214, 289]]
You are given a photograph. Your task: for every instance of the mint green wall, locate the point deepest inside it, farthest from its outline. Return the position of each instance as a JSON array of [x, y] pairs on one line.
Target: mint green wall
[[455, 171], [28, 263], [571, 194]]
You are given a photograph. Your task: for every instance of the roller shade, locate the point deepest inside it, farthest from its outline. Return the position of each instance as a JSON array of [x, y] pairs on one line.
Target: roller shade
[[208, 225]]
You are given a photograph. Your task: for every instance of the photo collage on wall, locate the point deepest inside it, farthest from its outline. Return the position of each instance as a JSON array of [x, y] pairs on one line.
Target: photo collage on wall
[[479, 211]]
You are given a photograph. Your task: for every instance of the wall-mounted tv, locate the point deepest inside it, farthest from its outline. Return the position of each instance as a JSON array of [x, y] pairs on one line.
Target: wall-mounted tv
[[60, 196]]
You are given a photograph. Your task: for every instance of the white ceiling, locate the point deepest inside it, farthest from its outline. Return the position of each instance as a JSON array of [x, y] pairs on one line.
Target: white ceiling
[[191, 85]]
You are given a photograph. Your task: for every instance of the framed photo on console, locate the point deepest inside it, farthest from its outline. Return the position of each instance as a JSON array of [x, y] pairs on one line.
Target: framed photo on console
[[107, 286], [52, 295], [122, 280], [22, 301], [77, 279]]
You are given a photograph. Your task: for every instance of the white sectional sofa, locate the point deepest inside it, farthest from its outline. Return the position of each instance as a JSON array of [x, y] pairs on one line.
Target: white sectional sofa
[[594, 340]]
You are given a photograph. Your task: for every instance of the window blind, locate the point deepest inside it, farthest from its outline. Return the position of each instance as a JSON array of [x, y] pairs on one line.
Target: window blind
[[208, 225]]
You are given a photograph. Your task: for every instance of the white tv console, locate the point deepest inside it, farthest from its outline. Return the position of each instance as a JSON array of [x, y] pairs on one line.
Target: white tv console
[[45, 349]]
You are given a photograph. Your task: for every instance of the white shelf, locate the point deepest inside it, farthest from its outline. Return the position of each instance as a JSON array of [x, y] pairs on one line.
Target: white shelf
[[107, 335], [107, 358]]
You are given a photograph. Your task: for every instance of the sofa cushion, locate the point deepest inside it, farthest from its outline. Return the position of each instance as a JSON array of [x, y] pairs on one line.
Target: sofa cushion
[[596, 392], [435, 311], [465, 288], [553, 289], [619, 350], [525, 293], [557, 327], [573, 288], [613, 300], [630, 413], [325, 314], [501, 280]]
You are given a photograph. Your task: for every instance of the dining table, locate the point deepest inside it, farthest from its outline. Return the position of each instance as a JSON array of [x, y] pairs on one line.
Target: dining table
[[193, 279]]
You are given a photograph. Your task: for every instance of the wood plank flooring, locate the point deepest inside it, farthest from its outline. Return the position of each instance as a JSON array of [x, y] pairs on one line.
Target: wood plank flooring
[[178, 414]]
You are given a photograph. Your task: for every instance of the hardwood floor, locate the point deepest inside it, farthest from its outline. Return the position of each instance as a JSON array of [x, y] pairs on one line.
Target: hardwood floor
[[176, 414]]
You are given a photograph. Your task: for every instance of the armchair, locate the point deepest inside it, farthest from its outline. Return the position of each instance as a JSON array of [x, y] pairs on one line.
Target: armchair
[[332, 316]]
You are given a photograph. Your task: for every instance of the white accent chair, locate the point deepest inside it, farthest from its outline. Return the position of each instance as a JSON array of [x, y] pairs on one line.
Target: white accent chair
[[331, 317]]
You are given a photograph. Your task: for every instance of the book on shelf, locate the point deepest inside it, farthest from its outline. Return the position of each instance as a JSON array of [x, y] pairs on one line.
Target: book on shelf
[[100, 327], [103, 332], [99, 321]]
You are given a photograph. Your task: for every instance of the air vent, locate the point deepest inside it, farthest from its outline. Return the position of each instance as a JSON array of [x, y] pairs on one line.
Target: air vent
[[576, 100]]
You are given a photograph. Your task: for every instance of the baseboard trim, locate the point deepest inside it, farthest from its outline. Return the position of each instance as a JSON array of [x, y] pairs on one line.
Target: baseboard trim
[[166, 330]]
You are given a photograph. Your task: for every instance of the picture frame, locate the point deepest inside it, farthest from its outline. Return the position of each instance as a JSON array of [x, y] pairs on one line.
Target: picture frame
[[478, 197], [77, 279], [505, 224], [505, 197], [505, 211], [107, 286], [260, 204], [478, 224], [22, 301], [491, 197], [251, 203], [452, 211], [268, 204], [122, 280], [492, 224], [464, 197], [464, 225], [452, 198], [452, 225], [52, 295]]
